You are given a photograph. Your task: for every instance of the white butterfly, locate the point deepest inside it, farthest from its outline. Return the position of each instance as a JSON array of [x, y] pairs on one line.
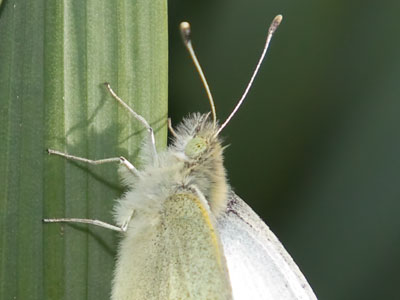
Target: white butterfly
[[186, 235]]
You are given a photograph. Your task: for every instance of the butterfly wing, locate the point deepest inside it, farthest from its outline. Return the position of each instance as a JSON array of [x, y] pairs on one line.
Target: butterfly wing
[[259, 266], [179, 257]]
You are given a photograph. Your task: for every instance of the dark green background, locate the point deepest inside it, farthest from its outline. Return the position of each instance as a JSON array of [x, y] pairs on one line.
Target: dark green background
[[315, 149]]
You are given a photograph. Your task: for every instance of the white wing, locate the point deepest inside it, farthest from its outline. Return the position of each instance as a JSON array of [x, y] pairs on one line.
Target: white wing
[[258, 264]]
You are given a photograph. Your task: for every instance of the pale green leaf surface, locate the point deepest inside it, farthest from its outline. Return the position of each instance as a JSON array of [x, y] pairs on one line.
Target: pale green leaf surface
[[54, 57]]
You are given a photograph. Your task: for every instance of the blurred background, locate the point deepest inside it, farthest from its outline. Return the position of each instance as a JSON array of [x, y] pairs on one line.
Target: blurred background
[[315, 148]]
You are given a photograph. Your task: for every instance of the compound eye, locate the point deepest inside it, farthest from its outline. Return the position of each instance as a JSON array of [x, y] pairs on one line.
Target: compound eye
[[195, 147]]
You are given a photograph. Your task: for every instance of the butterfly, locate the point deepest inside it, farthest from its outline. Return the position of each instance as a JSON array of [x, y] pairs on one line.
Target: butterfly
[[185, 233]]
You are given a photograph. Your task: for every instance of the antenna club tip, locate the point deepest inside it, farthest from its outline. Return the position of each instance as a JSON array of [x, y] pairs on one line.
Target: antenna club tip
[[185, 31], [184, 26], [278, 19], [275, 23]]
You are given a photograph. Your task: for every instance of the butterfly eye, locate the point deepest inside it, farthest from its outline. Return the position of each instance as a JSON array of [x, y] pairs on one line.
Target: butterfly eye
[[195, 147]]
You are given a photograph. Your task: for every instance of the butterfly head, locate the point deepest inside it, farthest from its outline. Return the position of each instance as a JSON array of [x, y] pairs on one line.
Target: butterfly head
[[198, 146], [197, 138]]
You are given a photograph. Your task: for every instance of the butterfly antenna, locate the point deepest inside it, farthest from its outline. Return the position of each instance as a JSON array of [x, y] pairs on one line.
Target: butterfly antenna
[[185, 32], [272, 28]]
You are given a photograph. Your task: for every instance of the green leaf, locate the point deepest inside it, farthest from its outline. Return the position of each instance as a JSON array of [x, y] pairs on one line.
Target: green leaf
[[54, 58]]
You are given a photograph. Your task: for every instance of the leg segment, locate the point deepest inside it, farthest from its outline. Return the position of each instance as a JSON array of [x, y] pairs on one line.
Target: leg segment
[[87, 221], [137, 117], [120, 159]]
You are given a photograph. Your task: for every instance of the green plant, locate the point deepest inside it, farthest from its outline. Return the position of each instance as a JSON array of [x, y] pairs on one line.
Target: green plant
[[54, 58]]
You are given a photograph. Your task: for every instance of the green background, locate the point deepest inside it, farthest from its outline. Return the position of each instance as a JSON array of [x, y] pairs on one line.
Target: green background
[[315, 149]]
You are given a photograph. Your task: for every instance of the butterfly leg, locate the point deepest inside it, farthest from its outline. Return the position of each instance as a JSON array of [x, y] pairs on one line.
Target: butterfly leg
[[171, 129], [137, 117], [120, 159], [121, 228], [86, 221]]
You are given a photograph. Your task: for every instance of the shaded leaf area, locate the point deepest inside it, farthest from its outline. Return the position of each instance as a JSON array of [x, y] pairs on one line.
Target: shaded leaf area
[[54, 58]]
